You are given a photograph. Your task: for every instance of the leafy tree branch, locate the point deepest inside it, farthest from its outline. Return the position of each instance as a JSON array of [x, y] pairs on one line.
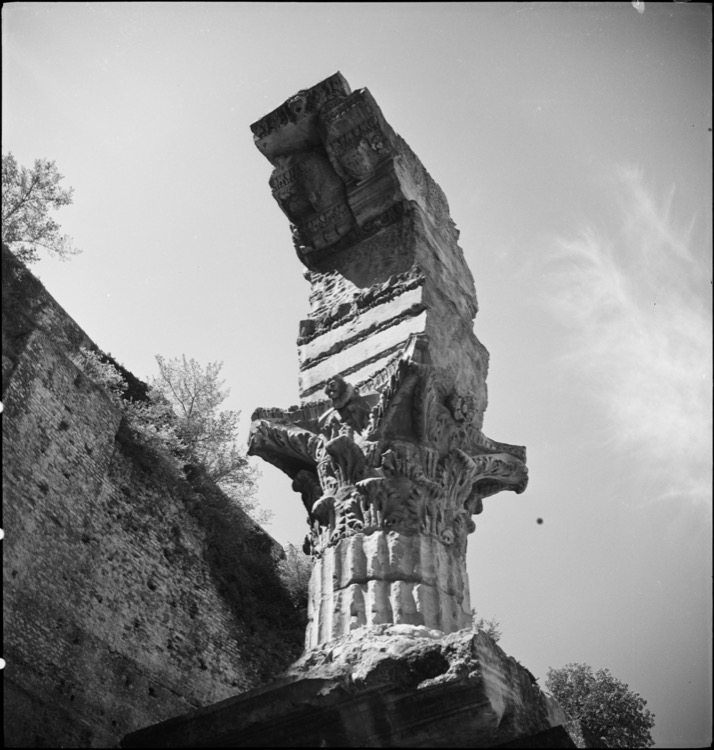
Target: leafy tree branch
[[602, 705], [180, 419], [27, 197]]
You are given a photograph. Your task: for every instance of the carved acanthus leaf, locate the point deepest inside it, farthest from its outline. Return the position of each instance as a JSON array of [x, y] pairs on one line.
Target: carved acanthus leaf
[[308, 485], [286, 446], [348, 460], [499, 471], [377, 500], [459, 474]]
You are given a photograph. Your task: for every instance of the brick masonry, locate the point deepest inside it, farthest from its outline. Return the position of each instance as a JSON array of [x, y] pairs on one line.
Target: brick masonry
[[131, 595]]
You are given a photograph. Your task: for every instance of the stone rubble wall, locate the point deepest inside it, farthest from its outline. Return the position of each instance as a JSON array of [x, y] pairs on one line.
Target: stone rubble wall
[[131, 595]]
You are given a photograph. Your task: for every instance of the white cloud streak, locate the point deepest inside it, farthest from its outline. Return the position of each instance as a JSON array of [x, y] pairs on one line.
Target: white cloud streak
[[635, 301]]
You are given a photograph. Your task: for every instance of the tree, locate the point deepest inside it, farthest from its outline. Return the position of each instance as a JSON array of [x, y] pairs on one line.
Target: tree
[[295, 572], [178, 418], [148, 413], [208, 434], [27, 196], [491, 627], [602, 704]]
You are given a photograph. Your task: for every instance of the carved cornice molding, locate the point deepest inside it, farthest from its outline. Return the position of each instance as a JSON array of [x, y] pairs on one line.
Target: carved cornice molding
[[269, 132], [341, 174]]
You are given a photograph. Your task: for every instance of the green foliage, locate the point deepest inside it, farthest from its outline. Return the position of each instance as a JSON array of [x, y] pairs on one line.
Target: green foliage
[[102, 372], [602, 704], [295, 572], [208, 433], [151, 420], [27, 196], [154, 424], [492, 627], [180, 421]]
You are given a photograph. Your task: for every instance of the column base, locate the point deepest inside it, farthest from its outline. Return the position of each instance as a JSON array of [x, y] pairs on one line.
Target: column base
[[386, 686]]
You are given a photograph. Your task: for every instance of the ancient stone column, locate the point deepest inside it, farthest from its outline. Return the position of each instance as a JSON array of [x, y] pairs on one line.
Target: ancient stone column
[[386, 447], [387, 452]]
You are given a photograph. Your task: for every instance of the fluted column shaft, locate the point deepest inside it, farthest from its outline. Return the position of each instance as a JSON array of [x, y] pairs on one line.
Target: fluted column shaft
[[387, 577]]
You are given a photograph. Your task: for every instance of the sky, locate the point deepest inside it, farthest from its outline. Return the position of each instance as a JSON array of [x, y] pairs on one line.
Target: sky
[[573, 142]]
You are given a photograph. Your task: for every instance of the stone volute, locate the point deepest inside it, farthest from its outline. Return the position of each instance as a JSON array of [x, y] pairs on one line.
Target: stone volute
[[386, 447]]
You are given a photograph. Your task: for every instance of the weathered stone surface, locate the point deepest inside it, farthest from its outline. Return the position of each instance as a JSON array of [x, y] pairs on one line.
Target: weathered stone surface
[[129, 594], [370, 224], [390, 466], [395, 460], [387, 577], [393, 686]]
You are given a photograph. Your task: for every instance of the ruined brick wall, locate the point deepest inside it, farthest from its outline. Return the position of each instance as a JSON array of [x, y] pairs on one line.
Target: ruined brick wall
[[131, 595]]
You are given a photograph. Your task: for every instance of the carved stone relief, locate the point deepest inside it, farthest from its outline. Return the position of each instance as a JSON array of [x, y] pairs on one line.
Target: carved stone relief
[[427, 475]]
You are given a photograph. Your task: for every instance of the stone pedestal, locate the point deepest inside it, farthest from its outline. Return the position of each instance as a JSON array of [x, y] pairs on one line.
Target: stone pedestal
[[392, 686]]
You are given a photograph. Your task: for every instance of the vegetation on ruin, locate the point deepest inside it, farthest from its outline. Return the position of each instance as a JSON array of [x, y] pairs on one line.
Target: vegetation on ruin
[[208, 433], [602, 705], [179, 418], [28, 195], [491, 627], [294, 571]]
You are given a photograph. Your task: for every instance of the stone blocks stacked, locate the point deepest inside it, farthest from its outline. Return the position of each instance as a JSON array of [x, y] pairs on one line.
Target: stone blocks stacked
[[392, 465]]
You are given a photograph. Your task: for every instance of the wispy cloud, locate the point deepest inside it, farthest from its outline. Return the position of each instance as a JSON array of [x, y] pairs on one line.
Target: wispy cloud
[[634, 297]]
